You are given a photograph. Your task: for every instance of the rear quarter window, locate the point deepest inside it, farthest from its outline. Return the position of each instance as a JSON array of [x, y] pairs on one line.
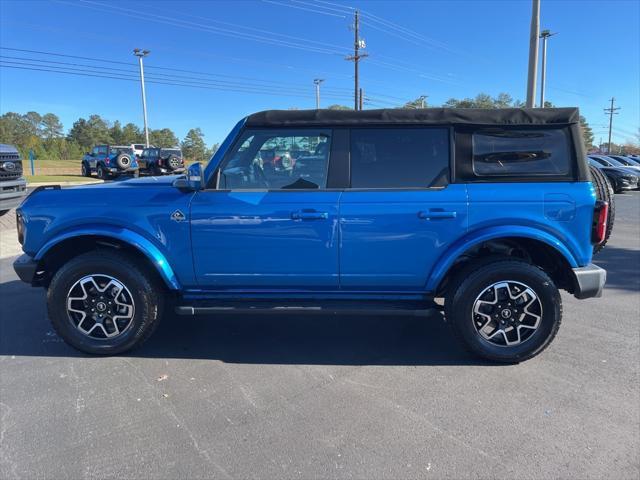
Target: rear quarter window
[[521, 152]]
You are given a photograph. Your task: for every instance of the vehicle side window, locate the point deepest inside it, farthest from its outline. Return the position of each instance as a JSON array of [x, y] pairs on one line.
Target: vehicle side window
[[399, 157], [277, 160], [523, 152]]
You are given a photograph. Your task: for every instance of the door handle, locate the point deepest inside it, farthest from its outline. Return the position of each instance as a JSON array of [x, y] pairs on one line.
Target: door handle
[[436, 214], [309, 215]]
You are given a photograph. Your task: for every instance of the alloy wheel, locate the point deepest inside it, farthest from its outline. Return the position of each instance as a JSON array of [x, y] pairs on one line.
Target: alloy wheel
[[100, 306], [507, 313]]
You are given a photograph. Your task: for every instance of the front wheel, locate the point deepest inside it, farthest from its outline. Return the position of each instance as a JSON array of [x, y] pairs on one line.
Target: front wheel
[[86, 172], [505, 311], [103, 302]]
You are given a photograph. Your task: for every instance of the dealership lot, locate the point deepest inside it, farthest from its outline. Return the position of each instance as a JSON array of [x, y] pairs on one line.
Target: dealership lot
[[318, 397]]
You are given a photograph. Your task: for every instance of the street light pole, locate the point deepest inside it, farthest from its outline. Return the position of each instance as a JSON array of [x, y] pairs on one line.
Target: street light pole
[[533, 53], [317, 82], [544, 35], [141, 54]]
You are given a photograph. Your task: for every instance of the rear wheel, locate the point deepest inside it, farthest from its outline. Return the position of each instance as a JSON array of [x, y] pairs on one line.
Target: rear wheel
[[505, 311], [101, 172], [102, 302], [604, 192]]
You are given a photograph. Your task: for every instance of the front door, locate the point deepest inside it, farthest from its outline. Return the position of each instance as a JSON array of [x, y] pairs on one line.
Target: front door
[[400, 214], [269, 224]]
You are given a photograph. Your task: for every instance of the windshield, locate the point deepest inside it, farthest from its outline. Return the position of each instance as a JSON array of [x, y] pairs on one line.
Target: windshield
[[170, 151], [119, 150]]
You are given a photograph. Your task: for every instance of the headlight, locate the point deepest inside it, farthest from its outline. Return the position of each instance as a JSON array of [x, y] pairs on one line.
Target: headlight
[[20, 227]]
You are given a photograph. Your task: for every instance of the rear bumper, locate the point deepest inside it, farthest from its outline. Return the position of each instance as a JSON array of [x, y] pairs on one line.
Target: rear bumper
[[589, 281], [25, 267]]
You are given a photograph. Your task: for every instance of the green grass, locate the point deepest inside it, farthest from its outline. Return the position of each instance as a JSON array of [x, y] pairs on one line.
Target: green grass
[[58, 178]]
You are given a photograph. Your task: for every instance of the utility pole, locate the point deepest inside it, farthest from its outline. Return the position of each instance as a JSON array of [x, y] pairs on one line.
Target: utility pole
[[141, 54], [358, 44], [423, 99], [611, 112], [361, 101], [533, 53], [544, 35], [317, 82]]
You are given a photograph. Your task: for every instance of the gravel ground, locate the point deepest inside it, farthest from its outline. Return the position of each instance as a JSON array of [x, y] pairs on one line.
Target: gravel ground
[[326, 397]]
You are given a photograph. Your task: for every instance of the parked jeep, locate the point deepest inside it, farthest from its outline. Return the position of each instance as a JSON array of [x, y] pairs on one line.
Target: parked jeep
[[13, 186], [158, 161], [110, 161], [489, 212]]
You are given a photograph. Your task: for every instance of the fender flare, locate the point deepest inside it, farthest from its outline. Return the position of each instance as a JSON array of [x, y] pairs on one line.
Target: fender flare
[[477, 237], [137, 241]]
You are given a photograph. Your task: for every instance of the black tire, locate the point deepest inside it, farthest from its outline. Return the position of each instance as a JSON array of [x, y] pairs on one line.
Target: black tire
[[145, 293], [472, 281], [102, 174], [86, 171], [604, 192], [3, 212]]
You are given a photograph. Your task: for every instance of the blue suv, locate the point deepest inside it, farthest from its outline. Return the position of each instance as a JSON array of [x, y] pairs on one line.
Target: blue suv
[[484, 214], [110, 161]]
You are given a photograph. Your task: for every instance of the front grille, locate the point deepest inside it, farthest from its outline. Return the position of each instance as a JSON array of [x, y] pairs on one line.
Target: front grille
[[10, 176], [9, 157], [15, 172]]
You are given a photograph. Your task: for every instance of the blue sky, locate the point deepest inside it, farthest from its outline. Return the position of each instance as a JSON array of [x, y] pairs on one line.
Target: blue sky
[[249, 48]]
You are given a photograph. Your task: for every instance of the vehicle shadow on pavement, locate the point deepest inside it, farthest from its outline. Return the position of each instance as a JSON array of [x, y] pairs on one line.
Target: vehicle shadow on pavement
[[261, 339], [622, 266]]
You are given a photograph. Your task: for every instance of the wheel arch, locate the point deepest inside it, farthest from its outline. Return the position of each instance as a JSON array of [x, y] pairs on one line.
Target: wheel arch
[[58, 250], [536, 246]]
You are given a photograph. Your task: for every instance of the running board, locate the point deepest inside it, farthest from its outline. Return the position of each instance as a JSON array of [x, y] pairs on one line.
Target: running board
[[325, 308]]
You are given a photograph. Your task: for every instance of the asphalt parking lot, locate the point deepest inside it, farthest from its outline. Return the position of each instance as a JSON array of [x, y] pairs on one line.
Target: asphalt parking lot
[[326, 397]]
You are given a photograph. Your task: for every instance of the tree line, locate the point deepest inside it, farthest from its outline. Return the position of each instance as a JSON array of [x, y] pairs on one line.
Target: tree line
[[44, 135]]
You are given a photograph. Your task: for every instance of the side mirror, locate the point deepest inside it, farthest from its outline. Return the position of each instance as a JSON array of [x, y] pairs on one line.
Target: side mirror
[[192, 181]]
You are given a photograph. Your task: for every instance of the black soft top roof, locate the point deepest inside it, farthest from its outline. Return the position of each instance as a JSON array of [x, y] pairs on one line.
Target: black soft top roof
[[426, 116]]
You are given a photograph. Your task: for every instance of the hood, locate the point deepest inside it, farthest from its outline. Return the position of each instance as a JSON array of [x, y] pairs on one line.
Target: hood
[[164, 181], [626, 171], [129, 193]]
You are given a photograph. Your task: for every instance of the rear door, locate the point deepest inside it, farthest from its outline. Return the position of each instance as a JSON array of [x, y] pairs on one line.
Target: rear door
[[400, 213], [93, 161]]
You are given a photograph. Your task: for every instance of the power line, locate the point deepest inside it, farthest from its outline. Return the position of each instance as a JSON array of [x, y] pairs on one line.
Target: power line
[[151, 75], [134, 78], [200, 27], [189, 52], [303, 8]]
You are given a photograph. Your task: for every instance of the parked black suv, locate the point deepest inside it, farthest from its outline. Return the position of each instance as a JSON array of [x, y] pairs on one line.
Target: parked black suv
[[158, 161]]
